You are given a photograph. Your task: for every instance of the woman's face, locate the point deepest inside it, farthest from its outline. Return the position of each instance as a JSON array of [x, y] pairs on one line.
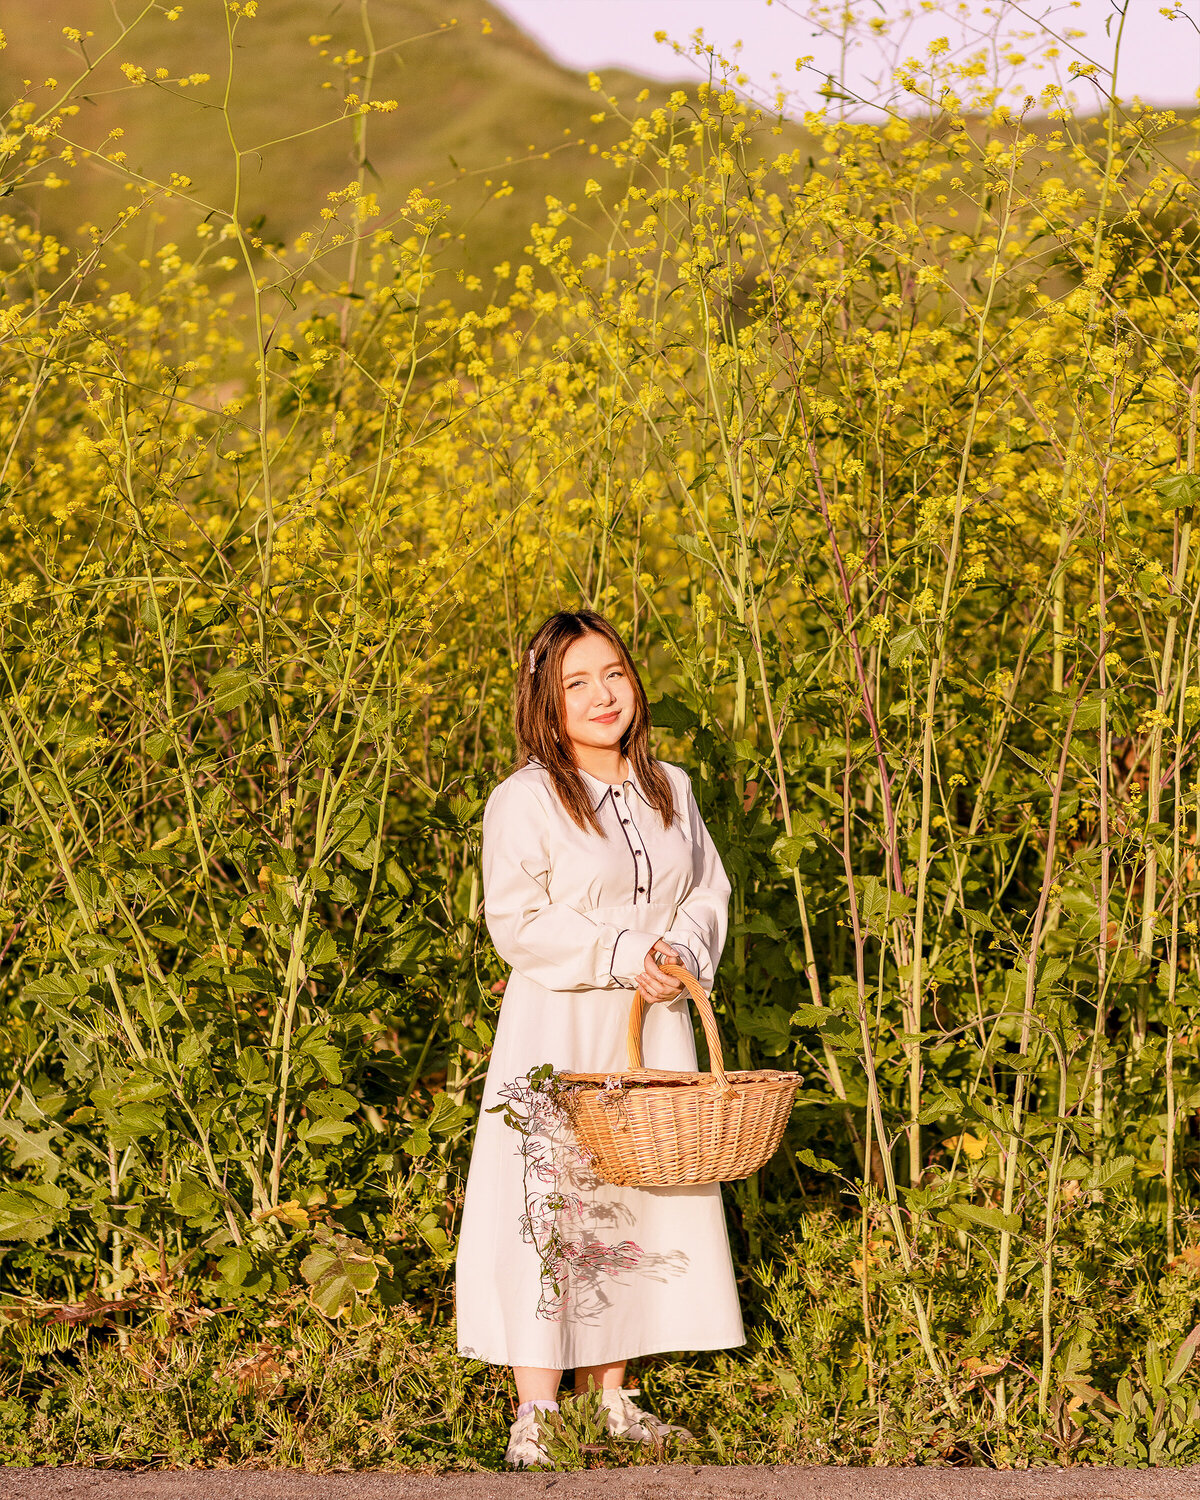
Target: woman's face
[[598, 697]]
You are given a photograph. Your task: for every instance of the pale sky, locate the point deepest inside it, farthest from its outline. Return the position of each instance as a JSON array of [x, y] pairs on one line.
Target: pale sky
[[1160, 58]]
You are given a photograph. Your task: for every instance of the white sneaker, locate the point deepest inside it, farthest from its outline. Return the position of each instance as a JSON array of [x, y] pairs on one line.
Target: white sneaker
[[625, 1420], [523, 1446]]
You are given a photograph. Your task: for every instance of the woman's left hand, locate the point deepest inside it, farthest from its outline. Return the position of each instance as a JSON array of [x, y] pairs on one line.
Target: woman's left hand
[[655, 986]]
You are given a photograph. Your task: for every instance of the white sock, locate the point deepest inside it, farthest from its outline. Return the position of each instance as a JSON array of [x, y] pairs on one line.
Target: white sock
[[527, 1406]]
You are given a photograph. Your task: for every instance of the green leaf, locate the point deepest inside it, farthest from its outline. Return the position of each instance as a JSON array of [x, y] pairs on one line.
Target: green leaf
[[251, 981], [173, 935], [326, 1057], [340, 1272], [703, 473], [906, 643], [1183, 1357], [772, 1027], [343, 890], [360, 858], [396, 878], [229, 688], [446, 1116], [140, 1088], [817, 1163], [56, 987], [787, 849], [417, 1142], [157, 745], [138, 1120], [333, 1104], [1050, 969], [30, 1147], [672, 713], [463, 809], [206, 615], [324, 950], [30, 1213], [234, 1266], [323, 1131], [161, 856], [751, 754], [152, 1008], [696, 547], [191, 1197], [1109, 1173], [252, 1066], [810, 1015], [1128, 966], [878, 905], [761, 921], [987, 1218], [351, 830], [1178, 490], [435, 1236], [403, 953], [1087, 715]]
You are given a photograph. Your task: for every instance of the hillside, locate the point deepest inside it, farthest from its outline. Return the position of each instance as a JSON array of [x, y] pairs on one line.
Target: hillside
[[472, 99], [480, 110]]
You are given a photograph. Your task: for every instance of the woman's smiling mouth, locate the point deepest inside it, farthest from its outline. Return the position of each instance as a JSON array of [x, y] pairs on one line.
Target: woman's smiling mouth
[[607, 718]]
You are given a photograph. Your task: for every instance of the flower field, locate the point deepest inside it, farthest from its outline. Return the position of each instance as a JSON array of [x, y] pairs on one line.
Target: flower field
[[877, 439]]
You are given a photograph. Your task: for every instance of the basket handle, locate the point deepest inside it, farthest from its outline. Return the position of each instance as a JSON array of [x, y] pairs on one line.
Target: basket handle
[[637, 1012]]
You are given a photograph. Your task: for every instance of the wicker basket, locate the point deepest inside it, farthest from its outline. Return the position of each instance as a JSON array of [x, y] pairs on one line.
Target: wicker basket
[[659, 1129]]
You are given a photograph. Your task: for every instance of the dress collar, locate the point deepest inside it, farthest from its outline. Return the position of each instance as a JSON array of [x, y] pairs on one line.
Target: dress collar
[[602, 789]]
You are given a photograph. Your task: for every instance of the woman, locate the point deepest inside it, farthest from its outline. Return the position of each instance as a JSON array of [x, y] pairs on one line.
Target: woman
[[595, 862]]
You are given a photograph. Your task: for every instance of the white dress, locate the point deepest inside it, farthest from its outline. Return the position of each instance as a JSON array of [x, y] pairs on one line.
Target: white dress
[[574, 914]]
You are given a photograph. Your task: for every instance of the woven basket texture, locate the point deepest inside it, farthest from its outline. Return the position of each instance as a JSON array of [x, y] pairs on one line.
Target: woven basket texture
[[648, 1128]]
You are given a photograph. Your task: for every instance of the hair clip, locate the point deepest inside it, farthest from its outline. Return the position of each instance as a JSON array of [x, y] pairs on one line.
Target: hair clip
[[532, 667]]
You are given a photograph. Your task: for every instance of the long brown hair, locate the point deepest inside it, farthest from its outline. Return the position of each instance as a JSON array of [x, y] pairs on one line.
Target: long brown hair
[[541, 717]]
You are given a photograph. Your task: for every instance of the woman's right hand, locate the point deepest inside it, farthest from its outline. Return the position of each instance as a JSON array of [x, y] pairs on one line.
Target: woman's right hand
[[655, 986]]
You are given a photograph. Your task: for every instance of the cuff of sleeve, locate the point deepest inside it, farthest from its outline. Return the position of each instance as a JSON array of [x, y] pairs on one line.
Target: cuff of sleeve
[[686, 957], [695, 957], [629, 955]]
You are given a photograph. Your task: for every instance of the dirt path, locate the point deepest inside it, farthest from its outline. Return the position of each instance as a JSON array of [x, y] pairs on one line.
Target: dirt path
[[669, 1482]]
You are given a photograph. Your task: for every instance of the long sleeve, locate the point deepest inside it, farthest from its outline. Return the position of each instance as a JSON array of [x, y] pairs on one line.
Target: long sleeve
[[551, 942], [702, 918]]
